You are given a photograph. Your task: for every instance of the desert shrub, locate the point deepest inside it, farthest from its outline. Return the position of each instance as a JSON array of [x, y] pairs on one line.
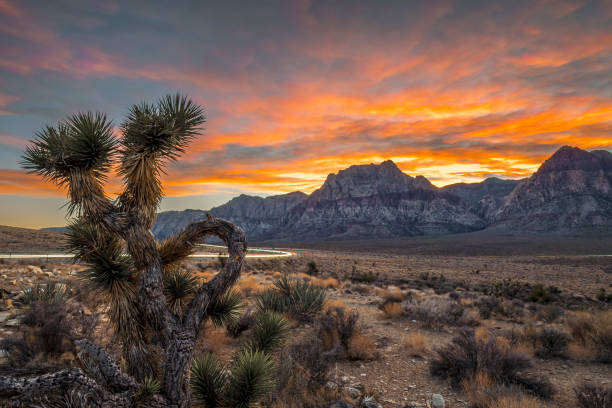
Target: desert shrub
[[312, 269], [592, 396], [435, 313], [390, 295], [46, 333], [549, 313], [302, 372], [507, 288], [515, 401], [541, 294], [365, 277], [361, 347], [328, 283], [551, 342], [594, 331], [311, 357], [49, 292], [602, 296], [416, 344], [487, 305], [336, 328], [466, 356], [582, 325], [602, 337], [391, 309]]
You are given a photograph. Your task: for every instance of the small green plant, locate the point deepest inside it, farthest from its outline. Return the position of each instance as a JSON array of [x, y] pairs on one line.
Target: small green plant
[[49, 292], [179, 285], [541, 294], [312, 268], [148, 388], [602, 296], [365, 277]]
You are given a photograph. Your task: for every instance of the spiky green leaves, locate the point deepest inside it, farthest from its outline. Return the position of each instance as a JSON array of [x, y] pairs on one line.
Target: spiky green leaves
[[208, 378], [148, 388], [179, 285], [269, 332], [103, 251], [298, 298], [83, 141], [49, 293], [226, 310], [163, 129], [248, 379], [152, 135]]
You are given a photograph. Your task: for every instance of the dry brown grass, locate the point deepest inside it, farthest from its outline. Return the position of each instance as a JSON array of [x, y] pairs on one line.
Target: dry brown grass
[[391, 294], [218, 341], [580, 352], [480, 389], [331, 304], [329, 283], [483, 392], [592, 331], [415, 344], [391, 310], [250, 285], [361, 347], [516, 401]]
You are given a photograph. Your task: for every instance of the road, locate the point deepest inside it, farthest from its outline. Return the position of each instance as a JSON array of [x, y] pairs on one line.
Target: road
[[263, 253]]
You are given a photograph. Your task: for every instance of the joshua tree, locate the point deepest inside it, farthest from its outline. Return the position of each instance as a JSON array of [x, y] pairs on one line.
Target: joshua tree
[[147, 294]]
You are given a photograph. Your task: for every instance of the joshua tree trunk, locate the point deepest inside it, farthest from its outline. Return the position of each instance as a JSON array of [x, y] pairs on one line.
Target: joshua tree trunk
[[100, 383], [77, 154]]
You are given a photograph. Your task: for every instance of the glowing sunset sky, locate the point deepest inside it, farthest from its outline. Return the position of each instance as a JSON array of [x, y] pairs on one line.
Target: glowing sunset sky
[[294, 90]]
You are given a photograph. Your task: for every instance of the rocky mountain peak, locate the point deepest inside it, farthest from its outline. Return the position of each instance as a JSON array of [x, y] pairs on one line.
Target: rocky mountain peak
[[367, 180], [574, 158]]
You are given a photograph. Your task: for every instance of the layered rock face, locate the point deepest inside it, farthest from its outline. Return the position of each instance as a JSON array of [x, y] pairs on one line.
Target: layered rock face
[[377, 201], [571, 190], [484, 198], [259, 217]]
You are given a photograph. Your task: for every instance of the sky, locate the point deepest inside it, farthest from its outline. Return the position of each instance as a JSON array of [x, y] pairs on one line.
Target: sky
[[456, 91]]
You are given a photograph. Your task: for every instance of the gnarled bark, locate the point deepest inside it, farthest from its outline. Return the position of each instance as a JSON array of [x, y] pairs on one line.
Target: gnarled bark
[[101, 383]]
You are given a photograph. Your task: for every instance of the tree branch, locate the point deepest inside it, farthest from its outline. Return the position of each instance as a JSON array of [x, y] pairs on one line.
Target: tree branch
[[209, 292], [183, 243], [102, 368]]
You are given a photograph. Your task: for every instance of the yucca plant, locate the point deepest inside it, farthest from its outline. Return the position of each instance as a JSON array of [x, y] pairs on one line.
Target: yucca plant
[[179, 285], [269, 332], [241, 385], [49, 292], [298, 298], [157, 313], [148, 388]]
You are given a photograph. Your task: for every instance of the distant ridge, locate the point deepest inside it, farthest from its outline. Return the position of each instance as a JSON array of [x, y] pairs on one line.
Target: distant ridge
[[570, 192]]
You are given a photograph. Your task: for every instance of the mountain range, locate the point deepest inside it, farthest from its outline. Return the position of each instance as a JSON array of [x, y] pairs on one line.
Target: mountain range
[[571, 191]]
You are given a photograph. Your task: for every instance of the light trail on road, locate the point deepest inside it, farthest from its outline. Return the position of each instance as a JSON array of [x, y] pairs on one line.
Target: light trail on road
[[267, 253]]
